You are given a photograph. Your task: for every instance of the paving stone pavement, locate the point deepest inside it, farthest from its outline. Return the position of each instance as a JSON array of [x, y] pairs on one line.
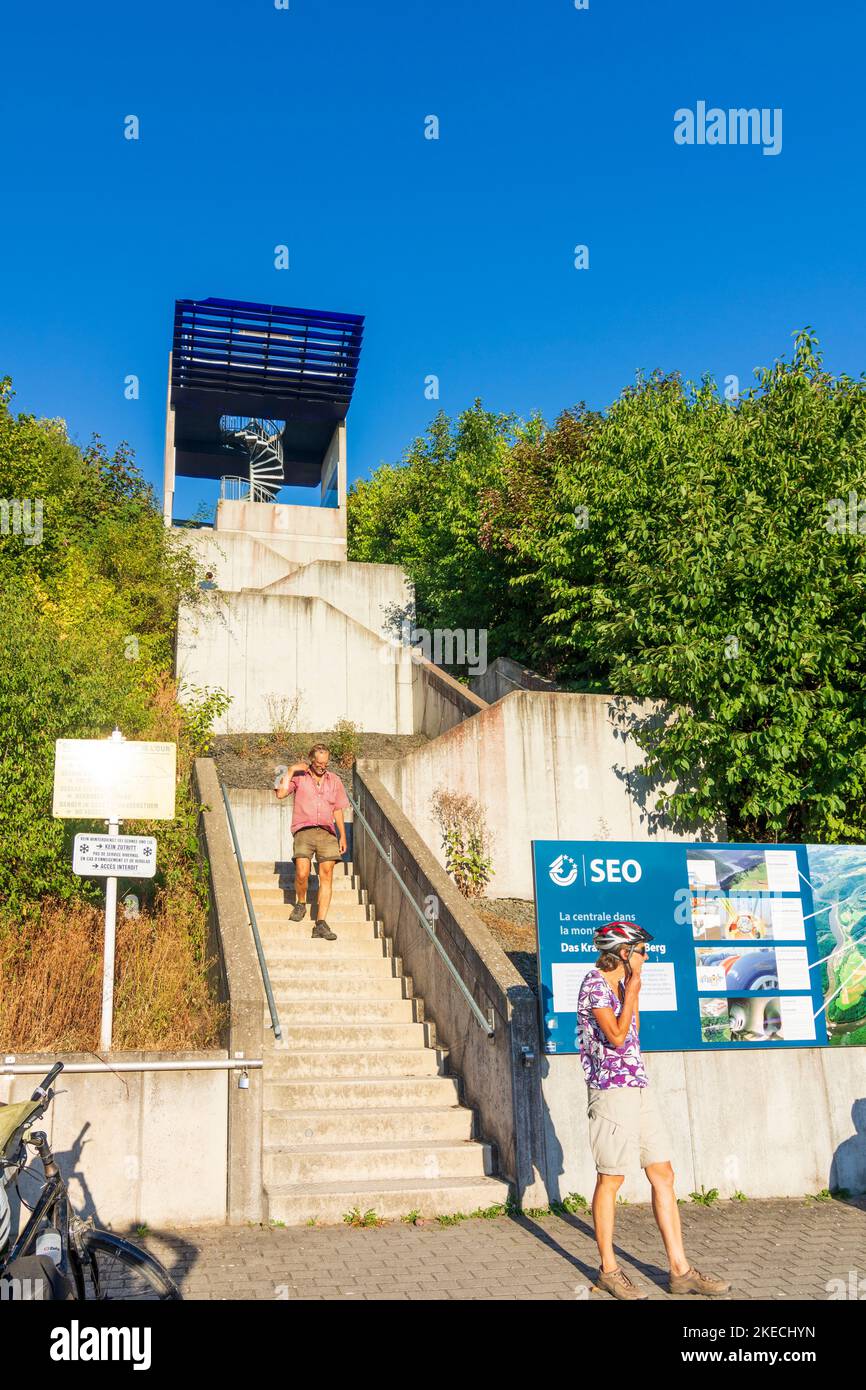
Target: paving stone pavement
[[768, 1250]]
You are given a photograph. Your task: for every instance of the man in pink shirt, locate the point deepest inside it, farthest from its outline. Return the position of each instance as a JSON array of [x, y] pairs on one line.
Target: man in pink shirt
[[317, 829]]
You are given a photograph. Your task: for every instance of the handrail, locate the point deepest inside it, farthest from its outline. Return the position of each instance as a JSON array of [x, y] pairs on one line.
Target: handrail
[[266, 979], [486, 1023], [9, 1068]]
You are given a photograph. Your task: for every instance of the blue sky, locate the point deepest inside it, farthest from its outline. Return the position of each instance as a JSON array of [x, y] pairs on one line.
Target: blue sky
[[305, 126]]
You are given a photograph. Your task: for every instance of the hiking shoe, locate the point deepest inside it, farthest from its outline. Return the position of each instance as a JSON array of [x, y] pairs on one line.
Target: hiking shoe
[[695, 1282], [324, 931], [617, 1283], [297, 912]]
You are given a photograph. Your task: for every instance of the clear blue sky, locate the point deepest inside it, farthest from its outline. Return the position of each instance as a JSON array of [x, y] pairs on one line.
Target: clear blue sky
[[262, 126]]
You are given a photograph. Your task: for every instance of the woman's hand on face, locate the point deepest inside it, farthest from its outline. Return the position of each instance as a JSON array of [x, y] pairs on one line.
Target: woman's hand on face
[[636, 961]]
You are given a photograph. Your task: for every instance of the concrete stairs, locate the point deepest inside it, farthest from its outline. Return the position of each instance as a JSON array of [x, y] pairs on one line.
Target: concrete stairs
[[359, 1111]]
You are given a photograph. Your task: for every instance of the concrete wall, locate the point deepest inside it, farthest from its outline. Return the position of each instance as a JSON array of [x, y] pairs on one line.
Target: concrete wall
[[236, 561], [495, 1079], [137, 1147], [439, 701], [543, 766], [255, 645], [264, 824], [504, 675], [371, 594], [300, 533], [770, 1124]]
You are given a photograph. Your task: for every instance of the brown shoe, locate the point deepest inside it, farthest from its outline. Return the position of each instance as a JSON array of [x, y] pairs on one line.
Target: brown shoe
[[695, 1282], [617, 1283]]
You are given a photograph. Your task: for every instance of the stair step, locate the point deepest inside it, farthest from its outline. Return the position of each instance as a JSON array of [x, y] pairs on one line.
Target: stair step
[[334, 1163], [273, 901], [296, 1013], [318, 949], [306, 986], [271, 925], [296, 968], [359, 1093], [298, 1128], [286, 1064], [337, 1037], [329, 1203]]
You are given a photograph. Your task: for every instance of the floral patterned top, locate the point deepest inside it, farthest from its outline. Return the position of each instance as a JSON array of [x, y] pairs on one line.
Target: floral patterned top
[[605, 1066]]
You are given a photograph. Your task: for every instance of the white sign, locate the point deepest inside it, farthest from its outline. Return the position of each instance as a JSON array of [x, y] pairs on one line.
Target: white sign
[[108, 779], [114, 856]]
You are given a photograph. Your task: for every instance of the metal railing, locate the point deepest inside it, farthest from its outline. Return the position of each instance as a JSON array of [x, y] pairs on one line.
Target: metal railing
[[266, 979], [241, 1064], [236, 489], [485, 1022]]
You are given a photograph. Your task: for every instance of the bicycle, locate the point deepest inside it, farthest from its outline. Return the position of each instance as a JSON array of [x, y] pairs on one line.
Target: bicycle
[[97, 1264]]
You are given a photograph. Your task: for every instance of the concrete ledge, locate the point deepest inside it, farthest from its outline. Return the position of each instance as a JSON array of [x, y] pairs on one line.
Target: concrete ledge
[[497, 1082], [439, 701], [231, 942]]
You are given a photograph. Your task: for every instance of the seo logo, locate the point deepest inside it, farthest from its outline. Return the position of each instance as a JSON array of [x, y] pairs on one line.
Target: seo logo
[[614, 870], [563, 870]]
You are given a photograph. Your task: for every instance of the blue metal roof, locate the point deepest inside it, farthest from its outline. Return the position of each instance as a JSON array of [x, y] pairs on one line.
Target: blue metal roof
[[231, 357]]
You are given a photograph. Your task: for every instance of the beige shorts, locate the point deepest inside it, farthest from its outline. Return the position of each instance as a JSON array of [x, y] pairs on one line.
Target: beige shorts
[[314, 840], [625, 1124]]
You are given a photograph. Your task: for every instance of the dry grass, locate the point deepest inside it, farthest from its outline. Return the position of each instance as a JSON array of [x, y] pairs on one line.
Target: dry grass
[[51, 980]]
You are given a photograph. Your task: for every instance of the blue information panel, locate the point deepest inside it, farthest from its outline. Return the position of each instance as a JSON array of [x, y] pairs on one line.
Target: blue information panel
[[753, 945]]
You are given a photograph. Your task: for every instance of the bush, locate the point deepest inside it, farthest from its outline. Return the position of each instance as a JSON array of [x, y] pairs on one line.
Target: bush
[[465, 840]]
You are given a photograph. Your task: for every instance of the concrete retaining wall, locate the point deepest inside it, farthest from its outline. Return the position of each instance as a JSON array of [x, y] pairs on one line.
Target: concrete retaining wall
[[300, 533], [254, 646], [440, 702], [496, 1080], [236, 561], [769, 1124], [543, 766], [136, 1146], [374, 595], [264, 824], [240, 984], [504, 675]]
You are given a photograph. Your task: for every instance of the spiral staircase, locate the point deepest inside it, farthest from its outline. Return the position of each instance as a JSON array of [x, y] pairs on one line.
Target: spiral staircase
[[262, 442]]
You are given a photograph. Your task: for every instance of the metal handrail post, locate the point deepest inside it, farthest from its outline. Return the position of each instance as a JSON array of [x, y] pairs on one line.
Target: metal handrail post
[[486, 1023], [266, 979]]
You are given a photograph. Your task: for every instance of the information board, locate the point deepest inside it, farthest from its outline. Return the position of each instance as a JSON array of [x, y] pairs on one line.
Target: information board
[[107, 779], [753, 945]]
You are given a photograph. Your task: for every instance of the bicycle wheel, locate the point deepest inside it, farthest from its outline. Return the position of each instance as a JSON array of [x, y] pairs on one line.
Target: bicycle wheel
[[115, 1269]]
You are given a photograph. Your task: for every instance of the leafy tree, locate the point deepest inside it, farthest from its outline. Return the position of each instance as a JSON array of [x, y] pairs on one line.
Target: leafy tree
[[681, 549], [89, 602]]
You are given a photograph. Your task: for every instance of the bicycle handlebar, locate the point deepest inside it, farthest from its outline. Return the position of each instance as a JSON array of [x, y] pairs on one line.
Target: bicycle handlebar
[[42, 1089]]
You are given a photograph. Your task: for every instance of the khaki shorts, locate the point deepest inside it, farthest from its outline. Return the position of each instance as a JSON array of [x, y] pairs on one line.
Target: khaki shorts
[[313, 840], [625, 1124]]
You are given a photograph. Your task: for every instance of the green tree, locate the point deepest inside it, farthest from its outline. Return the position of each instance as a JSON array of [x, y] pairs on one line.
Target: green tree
[[89, 603]]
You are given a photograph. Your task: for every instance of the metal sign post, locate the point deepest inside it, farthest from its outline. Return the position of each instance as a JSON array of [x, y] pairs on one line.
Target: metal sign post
[[117, 780], [107, 1022], [106, 1025]]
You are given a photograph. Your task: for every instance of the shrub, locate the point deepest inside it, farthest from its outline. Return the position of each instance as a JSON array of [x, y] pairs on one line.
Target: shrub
[[465, 840]]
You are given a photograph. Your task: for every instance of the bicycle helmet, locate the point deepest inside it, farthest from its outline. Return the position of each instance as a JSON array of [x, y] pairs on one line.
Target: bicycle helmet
[[615, 934]]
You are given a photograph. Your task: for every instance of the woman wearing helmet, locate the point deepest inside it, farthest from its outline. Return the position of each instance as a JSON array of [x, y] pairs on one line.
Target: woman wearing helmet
[[624, 1121]]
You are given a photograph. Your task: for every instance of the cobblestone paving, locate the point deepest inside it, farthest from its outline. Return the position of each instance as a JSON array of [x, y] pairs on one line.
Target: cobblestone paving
[[768, 1250]]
